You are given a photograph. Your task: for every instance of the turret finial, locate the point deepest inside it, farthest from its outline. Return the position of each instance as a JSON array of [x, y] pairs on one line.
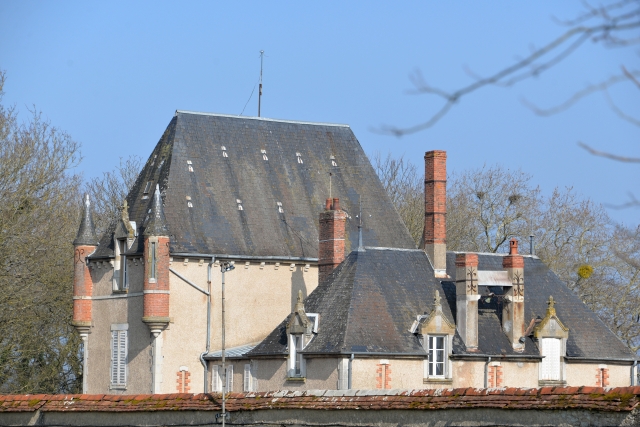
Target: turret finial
[[87, 231], [157, 225]]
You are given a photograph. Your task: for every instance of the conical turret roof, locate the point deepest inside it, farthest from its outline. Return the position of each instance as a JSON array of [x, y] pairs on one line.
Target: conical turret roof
[[87, 231], [157, 225]]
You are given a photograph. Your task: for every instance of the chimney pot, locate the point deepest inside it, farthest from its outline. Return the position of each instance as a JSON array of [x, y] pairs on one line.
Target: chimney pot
[[327, 205], [336, 204], [513, 246]]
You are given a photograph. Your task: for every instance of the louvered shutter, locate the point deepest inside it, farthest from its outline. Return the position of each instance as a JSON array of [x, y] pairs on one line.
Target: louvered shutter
[[215, 378], [343, 374], [247, 377], [254, 376], [118, 358], [229, 378]]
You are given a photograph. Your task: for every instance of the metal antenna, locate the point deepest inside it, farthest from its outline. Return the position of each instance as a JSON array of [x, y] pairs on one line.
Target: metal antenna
[[260, 91], [360, 227], [330, 175]]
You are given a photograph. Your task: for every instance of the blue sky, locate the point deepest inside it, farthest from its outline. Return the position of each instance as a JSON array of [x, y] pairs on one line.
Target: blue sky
[[113, 73]]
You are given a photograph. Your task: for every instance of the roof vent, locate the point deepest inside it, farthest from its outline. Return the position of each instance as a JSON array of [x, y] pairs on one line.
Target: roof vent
[[264, 154], [224, 151], [299, 157], [239, 202], [189, 164], [279, 204], [189, 204], [333, 161]]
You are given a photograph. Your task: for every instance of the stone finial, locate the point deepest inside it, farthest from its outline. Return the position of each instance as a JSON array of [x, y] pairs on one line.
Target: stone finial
[[437, 300], [87, 231], [551, 310], [157, 225]]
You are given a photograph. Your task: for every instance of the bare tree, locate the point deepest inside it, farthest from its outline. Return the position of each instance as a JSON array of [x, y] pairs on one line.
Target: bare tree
[[404, 185], [109, 191], [38, 219]]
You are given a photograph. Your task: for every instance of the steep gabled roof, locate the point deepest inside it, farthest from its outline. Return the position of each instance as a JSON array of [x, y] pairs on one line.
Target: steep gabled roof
[[223, 195], [372, 299], [368, 305]]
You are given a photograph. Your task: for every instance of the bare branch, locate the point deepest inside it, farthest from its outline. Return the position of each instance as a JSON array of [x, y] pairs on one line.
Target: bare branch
[[609, 155]]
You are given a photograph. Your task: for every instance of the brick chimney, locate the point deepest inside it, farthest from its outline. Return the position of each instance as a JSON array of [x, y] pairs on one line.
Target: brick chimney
[[467, 299], [435, 210], [84, 244], [331, 238], [513, 310]]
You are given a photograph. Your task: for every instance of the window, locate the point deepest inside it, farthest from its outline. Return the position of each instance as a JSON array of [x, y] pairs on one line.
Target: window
[[437, 362], [152, 273], [120, 276], [250, 380], [550, 365], [296, 361], [118, 356]]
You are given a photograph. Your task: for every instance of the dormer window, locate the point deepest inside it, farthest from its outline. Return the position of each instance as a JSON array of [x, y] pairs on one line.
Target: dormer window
[[552, 338], [120, 274], [436, 331], [300, 330]]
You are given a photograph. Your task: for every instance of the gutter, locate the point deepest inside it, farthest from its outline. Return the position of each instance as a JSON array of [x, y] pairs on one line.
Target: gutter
[[247, 257], [350, 377], [499, 356], [600, 359], [633, 373]]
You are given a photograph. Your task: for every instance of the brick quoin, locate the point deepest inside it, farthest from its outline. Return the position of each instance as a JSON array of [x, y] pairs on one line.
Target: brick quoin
[[331, 250], [82, 284], [183, 381], [156, 305], [435, 190], [602, 377]]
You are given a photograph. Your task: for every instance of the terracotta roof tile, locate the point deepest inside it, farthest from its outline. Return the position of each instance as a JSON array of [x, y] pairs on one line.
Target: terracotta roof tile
[[591, 398]]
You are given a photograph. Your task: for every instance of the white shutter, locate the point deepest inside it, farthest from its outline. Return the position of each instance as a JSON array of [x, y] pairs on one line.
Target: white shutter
[[118, 358], [216, 383], [550, 365], [114, 357], [343, 374], [247, 377], [229, 378], [254, 376]]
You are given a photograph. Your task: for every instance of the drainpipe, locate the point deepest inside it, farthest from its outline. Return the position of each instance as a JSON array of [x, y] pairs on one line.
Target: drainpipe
[[633, 372], [486, 372], [350, 375], [204, 362]]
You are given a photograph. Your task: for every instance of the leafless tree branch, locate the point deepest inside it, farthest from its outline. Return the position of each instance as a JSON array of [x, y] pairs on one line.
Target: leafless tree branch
[[606, 155]]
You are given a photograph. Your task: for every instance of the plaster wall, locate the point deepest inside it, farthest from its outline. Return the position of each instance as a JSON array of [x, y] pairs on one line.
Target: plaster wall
[[467, 373], [519, 374], [258, 297], [578, 374], [271, 374], [121, 308]]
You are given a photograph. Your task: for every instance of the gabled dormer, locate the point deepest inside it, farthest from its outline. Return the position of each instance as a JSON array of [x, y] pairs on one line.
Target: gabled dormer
[[437, 337], [552, 338], [123, 237], [300, 330]]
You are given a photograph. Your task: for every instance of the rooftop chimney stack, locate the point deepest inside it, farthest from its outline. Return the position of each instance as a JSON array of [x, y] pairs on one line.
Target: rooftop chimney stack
[[513, 310], [435, 211], [467, 299], [331, 239]]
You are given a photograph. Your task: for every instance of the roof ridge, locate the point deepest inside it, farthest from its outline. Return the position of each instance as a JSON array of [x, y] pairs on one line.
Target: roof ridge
[[232, 116]]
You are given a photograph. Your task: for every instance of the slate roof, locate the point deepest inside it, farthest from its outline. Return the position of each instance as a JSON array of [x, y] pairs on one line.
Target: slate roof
[[368, 305], [231, 353], [371, 300], [296, 175]]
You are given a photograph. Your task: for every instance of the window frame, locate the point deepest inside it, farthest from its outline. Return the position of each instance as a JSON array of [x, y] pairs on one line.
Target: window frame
[[433, 363], [550, 358], [120, 270]]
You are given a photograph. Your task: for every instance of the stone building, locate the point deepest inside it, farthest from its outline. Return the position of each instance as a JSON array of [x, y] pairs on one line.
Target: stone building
[[216, 190], [402, 318]]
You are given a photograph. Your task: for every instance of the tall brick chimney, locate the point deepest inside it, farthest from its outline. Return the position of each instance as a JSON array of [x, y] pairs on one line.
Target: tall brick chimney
[[513, 310], [331, 238], [84, 244], [435, 210], [467, 299], [156, 283]]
